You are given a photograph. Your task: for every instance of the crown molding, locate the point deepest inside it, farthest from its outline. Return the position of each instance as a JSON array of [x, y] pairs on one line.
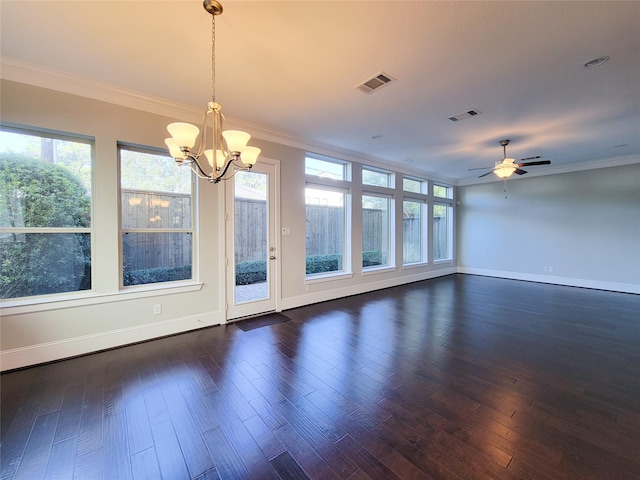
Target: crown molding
[[23, 72]]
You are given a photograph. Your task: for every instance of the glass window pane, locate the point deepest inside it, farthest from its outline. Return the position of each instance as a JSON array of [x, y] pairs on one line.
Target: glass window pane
[[155, 198], [442, 191], [375, 177], [411, 185], [45, 182], [325, 235], [251, 232], [412, 230], [375, 231], [325, 169], [151, 172], [142, 209], [442, 232], [44, 263], [156, 257]]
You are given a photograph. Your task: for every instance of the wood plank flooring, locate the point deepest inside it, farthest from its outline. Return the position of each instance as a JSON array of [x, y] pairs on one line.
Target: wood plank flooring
[[457, 377]]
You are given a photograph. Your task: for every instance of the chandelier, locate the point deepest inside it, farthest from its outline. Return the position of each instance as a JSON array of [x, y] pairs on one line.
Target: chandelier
[[227, 146]]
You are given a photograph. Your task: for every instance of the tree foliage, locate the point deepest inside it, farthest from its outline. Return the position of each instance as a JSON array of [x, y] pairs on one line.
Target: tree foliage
[[34, 196]]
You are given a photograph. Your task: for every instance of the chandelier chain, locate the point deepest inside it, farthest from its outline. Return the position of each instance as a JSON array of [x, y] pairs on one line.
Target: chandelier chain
[[213, 58]]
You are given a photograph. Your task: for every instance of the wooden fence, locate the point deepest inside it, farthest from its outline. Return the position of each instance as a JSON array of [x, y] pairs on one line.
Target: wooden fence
[[324, 230], [251, 241], [155, 210]]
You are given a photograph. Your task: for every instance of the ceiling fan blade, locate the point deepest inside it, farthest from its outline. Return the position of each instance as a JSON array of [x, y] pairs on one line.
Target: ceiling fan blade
[[480, 168], [519, 172], [528, 164], [485, 174], [529, 158]]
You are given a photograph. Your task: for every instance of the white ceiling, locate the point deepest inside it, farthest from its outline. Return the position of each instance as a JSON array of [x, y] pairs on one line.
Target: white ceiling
[[291, 67]]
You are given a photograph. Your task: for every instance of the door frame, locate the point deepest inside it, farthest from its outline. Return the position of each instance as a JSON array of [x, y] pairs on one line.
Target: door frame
[[272, 304]]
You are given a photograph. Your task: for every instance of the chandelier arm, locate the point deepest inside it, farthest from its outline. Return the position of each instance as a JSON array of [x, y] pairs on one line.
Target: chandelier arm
[[224, 147], [200, 171], [240, 168], [203, 136], [224, 170], [202, 175], [231, 161]]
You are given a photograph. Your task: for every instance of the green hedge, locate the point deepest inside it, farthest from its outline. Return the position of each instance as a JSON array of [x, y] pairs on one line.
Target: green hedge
[[248, 273], [323, 263], [34, 193], [371, 258], [157, 275]]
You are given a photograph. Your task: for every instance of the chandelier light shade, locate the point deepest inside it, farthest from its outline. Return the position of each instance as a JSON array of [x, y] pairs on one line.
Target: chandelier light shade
[[230, 145]]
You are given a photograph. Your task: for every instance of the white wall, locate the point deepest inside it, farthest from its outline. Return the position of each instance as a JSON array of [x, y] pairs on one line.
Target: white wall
[[584, 225], [106, 317]]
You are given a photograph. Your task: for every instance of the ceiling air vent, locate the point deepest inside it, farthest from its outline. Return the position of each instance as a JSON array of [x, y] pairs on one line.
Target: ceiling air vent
[[375, 83], [462, 115]]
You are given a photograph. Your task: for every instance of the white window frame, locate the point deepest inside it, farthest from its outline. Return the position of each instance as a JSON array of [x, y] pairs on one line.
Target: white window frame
[[424, 185], [343, 186], [391, 232], [58, 296], [346, 166], [449, 226], [424, 232], [390, 177], [121, 231]]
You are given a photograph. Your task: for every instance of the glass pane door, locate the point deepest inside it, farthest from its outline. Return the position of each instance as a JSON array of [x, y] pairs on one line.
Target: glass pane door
[[251, 224], [252, 239]]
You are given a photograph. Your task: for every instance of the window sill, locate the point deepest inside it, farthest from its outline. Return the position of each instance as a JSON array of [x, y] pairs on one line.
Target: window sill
[[443, 261], [409, 266], [327, 278], [18, 307], [376, 270]]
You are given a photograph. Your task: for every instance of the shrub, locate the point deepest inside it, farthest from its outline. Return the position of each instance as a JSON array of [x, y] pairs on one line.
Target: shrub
[[371, 258], [248, 273], [157, 275], [38, 194], [323, 263]]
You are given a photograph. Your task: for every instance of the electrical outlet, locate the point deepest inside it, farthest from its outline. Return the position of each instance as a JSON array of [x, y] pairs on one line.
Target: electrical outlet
[[157, 309]]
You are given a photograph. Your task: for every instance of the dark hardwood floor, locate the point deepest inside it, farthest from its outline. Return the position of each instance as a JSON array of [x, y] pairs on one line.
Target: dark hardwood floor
[[452, 378]]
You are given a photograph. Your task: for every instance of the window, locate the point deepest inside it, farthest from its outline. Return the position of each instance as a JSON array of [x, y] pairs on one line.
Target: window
[[376, 177], [414, 232], [414, 185], [377, 240], [442, 232], [156, 218], [327, 232], [329, 169], [45, 213], [442, 191]]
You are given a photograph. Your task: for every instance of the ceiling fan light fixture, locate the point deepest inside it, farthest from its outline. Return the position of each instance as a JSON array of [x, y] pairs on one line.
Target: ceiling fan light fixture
[[505, 171]]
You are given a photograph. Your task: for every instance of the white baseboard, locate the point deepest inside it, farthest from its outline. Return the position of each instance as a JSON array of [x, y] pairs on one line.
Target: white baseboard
[[71, 347], [571, 282], [325, 295]]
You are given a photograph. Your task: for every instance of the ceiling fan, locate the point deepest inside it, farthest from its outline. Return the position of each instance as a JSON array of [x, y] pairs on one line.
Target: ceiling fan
[[508, 166]]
